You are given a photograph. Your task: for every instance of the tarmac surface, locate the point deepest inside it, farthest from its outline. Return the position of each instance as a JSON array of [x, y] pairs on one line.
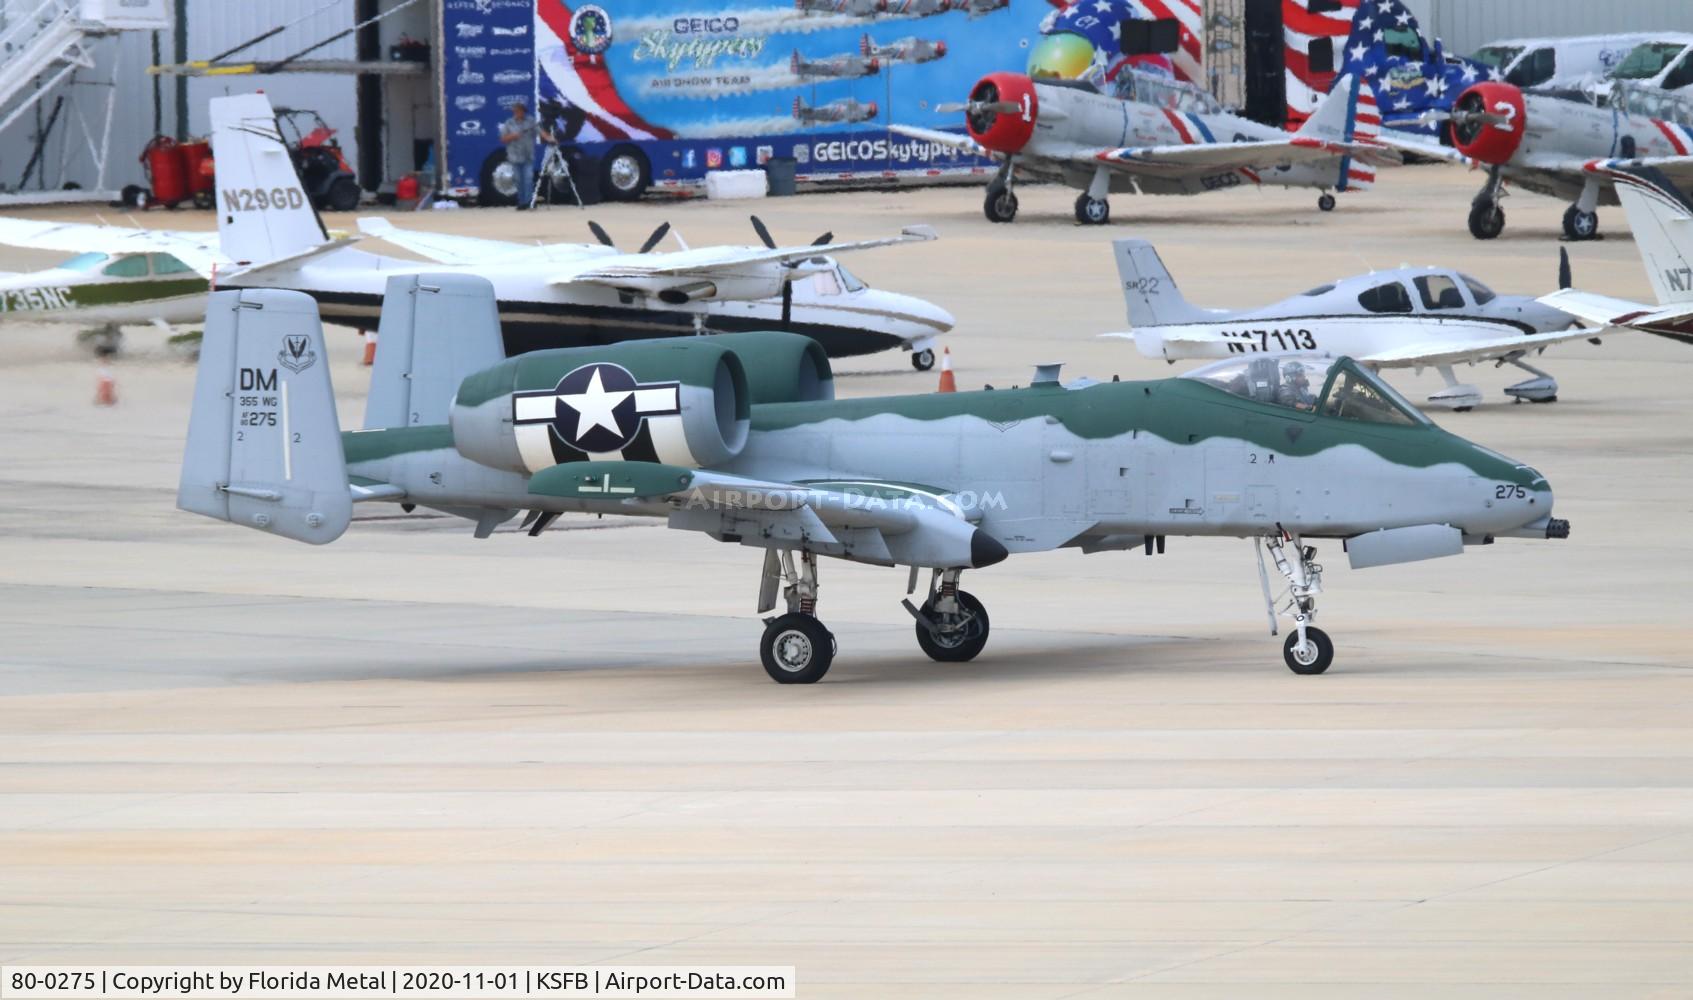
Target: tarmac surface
[[415, 747]]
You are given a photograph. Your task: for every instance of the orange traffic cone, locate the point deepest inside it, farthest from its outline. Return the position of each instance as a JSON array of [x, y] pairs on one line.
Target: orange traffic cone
[[369, 347], [948, 382], [105, 389]]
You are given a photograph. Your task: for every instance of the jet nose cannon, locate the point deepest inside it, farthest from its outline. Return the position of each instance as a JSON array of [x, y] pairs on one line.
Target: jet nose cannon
[[1488, 121], [1001, 113]]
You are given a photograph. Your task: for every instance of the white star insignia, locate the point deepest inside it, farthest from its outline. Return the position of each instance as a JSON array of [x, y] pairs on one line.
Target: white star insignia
[[1469, 73], [1404, 18], [1358, 53], [1386, 6], [594, 405]]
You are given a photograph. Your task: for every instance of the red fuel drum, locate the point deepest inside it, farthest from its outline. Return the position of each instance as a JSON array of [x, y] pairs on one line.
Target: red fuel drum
[[165, 170], [1004, 131], [1493, 142], [197, 166]]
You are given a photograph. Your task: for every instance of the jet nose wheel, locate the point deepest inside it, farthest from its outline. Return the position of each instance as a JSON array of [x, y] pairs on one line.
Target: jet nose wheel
[[1001, 204], [1326, 203], [1311, 657], [1579, 225], [923, 360], [960, 636], [1487, 220], [1092, 211], [796, 649]]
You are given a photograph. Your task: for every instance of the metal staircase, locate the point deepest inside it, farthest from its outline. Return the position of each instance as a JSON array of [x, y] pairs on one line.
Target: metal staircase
[[45, 44]]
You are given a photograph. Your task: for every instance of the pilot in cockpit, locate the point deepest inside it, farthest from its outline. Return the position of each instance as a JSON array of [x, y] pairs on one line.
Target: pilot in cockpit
[[1295, 390]]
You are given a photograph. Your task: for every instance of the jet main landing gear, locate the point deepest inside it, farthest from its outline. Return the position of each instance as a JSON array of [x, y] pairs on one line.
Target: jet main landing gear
[[796, 648], [952, 625], [1307, 649]]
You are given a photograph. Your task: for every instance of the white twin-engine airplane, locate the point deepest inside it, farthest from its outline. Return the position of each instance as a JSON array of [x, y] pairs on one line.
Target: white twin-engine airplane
[[1419, 318], [553, 295]]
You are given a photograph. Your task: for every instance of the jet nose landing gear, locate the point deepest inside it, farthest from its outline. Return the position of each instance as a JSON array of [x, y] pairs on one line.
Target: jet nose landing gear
[[952, 625], [1307, 649]]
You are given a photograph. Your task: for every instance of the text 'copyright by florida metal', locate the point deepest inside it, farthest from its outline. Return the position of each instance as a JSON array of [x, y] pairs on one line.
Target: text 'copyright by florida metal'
[[232, 982]]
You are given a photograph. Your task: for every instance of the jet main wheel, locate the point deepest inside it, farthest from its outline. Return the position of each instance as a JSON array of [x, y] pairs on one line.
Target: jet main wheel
[[1579, 225], [1487, 220], [1326, 203], [923, 360], [960, 644], [1001, 204], [796, 649], [1092, 211], [1314, 657]]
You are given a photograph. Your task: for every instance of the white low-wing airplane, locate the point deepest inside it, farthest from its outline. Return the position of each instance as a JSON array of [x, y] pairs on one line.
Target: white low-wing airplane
[[1406, 318], [1661, 216], [554, 295]]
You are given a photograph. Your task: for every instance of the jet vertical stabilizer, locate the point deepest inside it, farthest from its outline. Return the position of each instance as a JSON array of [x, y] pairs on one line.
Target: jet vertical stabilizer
[[436, 329]]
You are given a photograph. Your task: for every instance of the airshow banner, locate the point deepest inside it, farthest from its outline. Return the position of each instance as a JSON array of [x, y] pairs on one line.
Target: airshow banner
[[699, 86]]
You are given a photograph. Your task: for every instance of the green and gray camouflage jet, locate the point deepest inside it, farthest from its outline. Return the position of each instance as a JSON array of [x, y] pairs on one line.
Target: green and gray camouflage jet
[[739, 437]]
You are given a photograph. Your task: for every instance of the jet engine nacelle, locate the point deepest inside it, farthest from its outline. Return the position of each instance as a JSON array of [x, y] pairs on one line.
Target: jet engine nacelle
[[1489, 122], [681, 401], [1002, 111]]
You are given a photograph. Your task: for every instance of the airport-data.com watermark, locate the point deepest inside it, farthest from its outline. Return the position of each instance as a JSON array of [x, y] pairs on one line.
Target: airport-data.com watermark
[[229, 982]]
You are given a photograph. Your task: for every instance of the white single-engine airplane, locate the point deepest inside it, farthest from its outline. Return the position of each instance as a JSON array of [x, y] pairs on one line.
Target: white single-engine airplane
[[1164, 137], [1661, 216], [562, 294], [116, 276], [1422, 317]]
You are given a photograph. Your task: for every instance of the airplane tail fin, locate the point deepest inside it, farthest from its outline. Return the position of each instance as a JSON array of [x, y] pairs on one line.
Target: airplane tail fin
[[264, 442], [263, 212], [1348, 114], [1151, 294], [436, 329], [1661, 216]]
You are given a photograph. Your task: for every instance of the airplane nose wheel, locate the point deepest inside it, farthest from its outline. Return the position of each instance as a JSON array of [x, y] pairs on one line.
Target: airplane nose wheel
[[1307, 648], [1092, 211], [1326, 202], [1312, 656], [923, 360]]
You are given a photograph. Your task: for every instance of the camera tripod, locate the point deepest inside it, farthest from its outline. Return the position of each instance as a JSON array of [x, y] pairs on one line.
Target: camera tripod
[[553, 166]]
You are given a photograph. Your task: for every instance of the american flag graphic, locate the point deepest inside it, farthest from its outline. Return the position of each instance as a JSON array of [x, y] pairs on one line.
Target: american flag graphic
[[1301, 28], [583, 80]]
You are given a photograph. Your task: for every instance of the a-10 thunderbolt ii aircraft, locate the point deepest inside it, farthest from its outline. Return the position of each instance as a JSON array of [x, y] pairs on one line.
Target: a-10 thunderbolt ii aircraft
[[558, 294], [1409, 317], [1163, 137], [738, 437], [1544, 141], [1661, 216]]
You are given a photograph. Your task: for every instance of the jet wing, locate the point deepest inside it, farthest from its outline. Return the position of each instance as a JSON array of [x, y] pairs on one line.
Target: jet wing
[[1176, 161], [440, 247], [1445, 352], [711, 263], [1605, 311], [952, 139], [892, 523], [198, 250]]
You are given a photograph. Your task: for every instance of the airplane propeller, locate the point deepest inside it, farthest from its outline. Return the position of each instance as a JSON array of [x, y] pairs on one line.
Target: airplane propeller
[[606, 240], [979, 107], [1565, 279], [769, 242]]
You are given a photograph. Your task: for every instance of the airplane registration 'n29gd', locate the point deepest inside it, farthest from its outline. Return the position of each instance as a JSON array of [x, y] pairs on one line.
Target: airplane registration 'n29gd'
[[738, 437]]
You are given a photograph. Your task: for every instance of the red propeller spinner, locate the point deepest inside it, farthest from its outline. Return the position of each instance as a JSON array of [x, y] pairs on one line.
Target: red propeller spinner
[[1488, 122], [1002, 110]]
